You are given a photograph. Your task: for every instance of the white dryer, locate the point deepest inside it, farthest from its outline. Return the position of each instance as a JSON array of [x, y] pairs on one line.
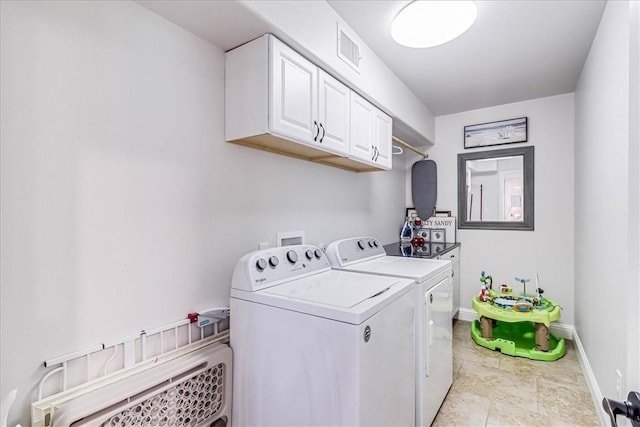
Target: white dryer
[[433, 328], [319, 347]]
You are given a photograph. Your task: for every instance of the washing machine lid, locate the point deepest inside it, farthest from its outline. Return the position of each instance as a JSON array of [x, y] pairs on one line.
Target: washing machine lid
[[345, 291], [417, 269], [339, 295]]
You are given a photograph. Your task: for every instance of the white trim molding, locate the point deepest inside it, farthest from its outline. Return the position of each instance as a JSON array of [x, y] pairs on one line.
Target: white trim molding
[[466, 314], [590, 378]]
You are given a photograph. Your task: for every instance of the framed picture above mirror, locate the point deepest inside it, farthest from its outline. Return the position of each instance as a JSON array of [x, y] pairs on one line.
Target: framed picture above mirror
[[496, 133]]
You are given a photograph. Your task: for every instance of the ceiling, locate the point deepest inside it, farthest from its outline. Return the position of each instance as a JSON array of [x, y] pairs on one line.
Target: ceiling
[[516, 50], [224, 23]]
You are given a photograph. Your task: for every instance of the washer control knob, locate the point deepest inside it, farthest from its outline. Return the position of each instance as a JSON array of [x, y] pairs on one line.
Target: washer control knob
[[261, 264], [318, 253], [309, 254], [292, 256], [370, 243], [375, 243], [361, 244], [273, 261]]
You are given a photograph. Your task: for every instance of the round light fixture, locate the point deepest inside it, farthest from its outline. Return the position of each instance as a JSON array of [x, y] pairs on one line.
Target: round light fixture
[[428, 23]]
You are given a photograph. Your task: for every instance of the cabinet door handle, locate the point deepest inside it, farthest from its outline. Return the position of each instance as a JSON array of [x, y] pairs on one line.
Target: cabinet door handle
[[373, 153], [377, 154], [315, 124], [323, 133]]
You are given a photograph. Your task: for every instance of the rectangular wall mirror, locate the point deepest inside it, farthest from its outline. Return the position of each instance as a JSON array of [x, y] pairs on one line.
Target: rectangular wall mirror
[[495, 189]]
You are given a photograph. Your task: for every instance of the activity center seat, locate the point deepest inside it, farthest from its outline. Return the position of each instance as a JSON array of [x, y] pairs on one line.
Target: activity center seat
[[517, 326]]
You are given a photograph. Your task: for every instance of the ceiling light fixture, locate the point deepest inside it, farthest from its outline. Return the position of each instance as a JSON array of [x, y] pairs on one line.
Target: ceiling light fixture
[[428, 23]]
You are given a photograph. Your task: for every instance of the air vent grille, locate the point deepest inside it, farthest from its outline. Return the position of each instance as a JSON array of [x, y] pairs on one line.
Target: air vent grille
[[348, 50]]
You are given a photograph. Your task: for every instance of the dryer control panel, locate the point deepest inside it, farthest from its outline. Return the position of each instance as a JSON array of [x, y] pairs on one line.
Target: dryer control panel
[[268, 267], [355, 249]]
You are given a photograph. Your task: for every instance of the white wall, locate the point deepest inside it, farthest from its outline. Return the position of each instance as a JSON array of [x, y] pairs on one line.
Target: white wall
[[633, 302], [607, 203], [548, 250], [122, 206]]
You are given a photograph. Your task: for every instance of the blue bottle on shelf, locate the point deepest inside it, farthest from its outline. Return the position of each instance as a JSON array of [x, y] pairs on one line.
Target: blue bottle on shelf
[[407, 231]]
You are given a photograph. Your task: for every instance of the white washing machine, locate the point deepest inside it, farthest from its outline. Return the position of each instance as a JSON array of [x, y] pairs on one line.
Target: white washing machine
[[319, 347], [433, 328]]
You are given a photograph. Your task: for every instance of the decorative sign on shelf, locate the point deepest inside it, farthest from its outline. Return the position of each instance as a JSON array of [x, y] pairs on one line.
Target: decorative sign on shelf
[[446, 223]]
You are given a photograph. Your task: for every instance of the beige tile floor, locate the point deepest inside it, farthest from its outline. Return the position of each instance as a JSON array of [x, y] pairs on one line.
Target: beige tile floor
[[493, 389]]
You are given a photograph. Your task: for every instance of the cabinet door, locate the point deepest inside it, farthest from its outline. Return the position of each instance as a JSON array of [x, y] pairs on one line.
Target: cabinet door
[[333, 113], [361, 129], [293, 93], [382, 135]]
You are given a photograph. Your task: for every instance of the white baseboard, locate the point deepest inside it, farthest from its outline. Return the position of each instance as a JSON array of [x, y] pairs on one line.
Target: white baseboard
[[590, 378], [562, 330], [467, 314]]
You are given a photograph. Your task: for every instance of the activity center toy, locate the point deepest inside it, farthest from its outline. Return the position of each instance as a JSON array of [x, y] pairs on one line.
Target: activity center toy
[[516, 325]]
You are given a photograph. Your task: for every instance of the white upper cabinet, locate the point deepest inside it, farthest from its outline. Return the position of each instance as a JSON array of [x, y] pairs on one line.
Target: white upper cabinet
[[382, 134], [277, 100], [333, 113], [361, 128], [294, 96], [370, 133]]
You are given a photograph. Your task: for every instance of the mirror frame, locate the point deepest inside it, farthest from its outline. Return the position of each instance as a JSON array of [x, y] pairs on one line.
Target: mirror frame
[[528, 196]]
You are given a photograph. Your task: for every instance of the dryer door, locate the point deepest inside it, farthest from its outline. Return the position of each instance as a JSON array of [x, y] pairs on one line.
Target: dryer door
[[438, 347]]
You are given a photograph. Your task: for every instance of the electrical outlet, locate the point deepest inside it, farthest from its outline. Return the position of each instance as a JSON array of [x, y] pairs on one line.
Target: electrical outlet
[[619, 384], [287, 238], [263, 245]]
